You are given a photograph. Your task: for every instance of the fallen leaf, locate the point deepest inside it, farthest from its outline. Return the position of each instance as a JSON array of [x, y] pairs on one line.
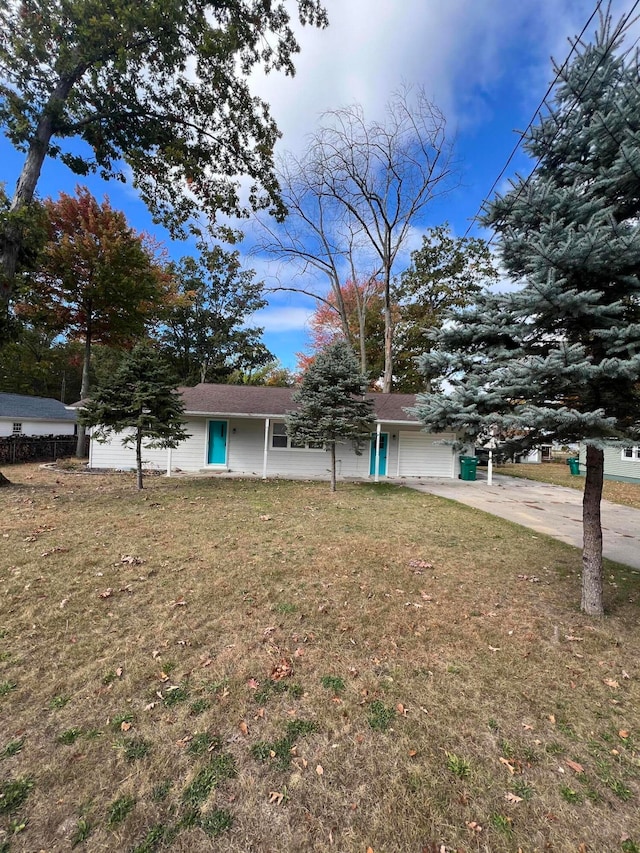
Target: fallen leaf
[[574, 766], [282, 669], [150, 706], [276, 797], [244, 728], [131, 560], [610, 682], [298, 653], [413, 753], [259, 715], [623, 733], [64, 603], [319, 770], [401, 709], [625, 674], [494, 648], [474, 826], [119, 671], [163, 676], [369, 849], [512, 798], [253, 684], [507, 764], [527, 727], [107, 593], [552, 719], [265, 518], [179, 602], [420, 564], [574, 639], [124, 726], [155, 654]]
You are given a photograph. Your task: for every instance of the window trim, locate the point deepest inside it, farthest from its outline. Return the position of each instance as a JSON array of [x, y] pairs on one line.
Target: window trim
[[633, 457], [304, 449], [17, 431]]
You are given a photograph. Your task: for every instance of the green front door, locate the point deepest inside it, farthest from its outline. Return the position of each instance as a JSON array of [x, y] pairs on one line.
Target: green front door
[[382, 466], [217, 443]]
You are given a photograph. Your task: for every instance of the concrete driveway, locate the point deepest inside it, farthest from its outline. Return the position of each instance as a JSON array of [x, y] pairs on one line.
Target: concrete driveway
[[554, 510]]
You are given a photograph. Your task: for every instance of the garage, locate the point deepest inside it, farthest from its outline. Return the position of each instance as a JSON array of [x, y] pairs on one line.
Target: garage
[[420, 456]]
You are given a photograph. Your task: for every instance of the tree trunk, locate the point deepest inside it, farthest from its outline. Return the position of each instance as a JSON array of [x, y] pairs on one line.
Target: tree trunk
[[4, 481], [388, 324], [592, 532], [139, 459], [28, 180], [333, 466], [81, 444]]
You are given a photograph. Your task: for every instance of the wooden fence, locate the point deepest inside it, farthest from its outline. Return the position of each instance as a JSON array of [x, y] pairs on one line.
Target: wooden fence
[[36, 448]]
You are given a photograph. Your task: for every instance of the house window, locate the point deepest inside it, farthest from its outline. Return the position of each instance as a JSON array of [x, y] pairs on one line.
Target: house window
[[17, 428], [632, 453], [281, 441]]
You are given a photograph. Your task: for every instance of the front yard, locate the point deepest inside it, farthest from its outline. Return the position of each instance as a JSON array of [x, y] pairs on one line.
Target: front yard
[[235, 665]]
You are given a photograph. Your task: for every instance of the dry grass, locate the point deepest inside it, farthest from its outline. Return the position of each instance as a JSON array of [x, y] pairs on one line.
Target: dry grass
[[558, 474], [417, 703]]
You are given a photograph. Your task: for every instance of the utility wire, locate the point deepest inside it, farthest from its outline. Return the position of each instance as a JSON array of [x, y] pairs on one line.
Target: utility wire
[[614, 36], [538, 110]]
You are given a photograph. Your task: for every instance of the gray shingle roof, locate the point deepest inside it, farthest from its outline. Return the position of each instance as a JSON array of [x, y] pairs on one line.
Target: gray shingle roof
[[19, 406], [210, 399]]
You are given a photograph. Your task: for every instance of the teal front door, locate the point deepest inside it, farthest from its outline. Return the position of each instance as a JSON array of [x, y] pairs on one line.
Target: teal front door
[[382, 460], [217, 443]]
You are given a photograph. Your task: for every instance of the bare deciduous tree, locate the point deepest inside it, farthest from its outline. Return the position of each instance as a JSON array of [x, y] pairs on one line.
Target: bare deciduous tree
[[357, 192]]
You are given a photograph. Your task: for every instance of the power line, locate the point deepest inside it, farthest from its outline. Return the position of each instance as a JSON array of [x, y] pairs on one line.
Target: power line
[[538, 110], [614, 37]]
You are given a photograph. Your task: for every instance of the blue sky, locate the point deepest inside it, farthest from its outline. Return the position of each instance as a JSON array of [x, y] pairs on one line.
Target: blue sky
[[485, 63]]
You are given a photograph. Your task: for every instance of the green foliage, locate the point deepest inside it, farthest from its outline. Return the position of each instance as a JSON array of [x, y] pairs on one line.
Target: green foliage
[[161, 87], [571, 795], [12, 748], [380, 716], [119, 809], [333, 682], [198, 707], [445, 275], [69, 736], [7, 687], [204, 336], [216, 822], [271, 688], [220, 767], [136, 748], [460, 767], [13, 794], [82, 832], [176, 695], [202, 743], [59, 702], [280, 751], [119, 719], [140, 398], [330, 401]]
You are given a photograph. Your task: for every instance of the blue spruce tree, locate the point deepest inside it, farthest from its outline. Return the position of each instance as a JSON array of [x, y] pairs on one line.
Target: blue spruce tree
[[559, 358]]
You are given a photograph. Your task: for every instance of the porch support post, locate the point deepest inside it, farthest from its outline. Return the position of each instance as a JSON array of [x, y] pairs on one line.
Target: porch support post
[[90, 466], [168, 462], [265, 454], [377, 468]]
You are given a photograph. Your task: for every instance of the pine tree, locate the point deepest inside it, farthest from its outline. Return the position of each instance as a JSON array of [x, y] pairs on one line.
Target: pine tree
[[559, 358], [139, 401], [331, 403]]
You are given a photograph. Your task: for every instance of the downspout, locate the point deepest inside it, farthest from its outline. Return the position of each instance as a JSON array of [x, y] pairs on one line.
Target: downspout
[[168, 462], [376, 479], [265, 455]]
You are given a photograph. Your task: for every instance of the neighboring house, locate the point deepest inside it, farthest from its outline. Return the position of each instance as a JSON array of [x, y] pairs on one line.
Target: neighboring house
[[241, 429], [536, 454], [29, 416], [620, 463]]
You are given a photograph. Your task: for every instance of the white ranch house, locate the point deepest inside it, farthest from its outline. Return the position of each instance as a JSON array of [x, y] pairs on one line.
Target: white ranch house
[[240, 429]]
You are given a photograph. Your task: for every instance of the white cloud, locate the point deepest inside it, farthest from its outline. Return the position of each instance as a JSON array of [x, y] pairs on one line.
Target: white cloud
[[281, 319]]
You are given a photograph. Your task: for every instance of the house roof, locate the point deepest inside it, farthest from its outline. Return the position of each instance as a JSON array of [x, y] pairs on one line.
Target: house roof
[[268, 401], [34, 408]]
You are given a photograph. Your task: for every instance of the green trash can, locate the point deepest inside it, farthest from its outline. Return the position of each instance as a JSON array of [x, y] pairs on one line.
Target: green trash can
[[468, 466], [574, 465]]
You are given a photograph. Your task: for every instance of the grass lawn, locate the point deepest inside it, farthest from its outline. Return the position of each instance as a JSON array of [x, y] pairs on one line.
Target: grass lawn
[[227, 665], [559, 474]]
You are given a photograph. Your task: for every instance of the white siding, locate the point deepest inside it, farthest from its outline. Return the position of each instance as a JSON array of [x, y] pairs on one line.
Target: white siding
[[37, 427], [420, 456], [245, 454]]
